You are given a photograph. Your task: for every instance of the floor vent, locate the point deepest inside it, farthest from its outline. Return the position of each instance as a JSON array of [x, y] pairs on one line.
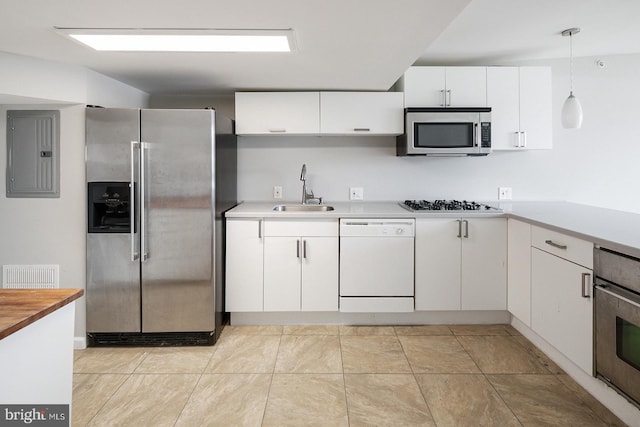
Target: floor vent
[[30, 276]]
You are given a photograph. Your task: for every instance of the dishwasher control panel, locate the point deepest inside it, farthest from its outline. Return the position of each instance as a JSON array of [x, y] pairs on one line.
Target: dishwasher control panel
[[391, 227]]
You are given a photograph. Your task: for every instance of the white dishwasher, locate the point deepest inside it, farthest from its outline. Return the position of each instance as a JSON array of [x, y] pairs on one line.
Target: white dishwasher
[[376, 265]]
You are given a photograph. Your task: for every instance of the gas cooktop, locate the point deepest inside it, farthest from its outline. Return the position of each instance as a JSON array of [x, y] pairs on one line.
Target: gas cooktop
[[446, 205]]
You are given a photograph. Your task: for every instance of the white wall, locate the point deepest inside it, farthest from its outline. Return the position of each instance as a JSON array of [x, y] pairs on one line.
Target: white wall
[[597, 164], [54, 82], [224, 104], [53, 230]]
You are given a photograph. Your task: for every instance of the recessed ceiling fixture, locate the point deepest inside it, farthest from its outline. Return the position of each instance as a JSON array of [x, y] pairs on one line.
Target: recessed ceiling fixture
[[571, 109], [182, 40]]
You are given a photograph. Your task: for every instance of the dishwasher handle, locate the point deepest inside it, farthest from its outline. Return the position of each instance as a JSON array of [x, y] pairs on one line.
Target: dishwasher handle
[[387, 227]]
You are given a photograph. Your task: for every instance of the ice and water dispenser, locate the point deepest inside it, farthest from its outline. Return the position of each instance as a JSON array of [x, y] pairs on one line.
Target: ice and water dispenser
[[109, 207]]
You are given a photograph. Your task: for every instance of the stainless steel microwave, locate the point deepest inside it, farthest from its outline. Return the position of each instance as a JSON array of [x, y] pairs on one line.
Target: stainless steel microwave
[[446, 132]]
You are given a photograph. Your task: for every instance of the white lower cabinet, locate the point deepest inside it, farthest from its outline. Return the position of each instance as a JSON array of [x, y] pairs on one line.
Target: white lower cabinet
[[561, 294], [461, 264], [519, 270], [560, 314], [301, 265], [244, 265]]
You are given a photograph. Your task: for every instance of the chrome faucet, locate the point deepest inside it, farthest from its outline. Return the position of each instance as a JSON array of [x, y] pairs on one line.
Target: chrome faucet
[[307, 197]]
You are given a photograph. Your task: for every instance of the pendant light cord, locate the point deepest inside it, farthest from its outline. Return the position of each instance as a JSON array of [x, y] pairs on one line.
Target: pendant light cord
[[571, 62]]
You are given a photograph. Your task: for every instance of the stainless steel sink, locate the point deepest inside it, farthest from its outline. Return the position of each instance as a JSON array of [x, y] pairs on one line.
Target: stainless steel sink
[[303, 208]]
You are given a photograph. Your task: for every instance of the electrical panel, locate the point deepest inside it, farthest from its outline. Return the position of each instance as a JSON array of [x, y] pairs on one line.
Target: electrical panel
[[33, 153]]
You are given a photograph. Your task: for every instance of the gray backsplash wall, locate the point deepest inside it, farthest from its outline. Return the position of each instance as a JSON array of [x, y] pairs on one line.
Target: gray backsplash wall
[[598, 164]]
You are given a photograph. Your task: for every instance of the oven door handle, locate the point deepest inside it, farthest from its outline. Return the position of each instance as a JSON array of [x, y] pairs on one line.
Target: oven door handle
[[606, 290]]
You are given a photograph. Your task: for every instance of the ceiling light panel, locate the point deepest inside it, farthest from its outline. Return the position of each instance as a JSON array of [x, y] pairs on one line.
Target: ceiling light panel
[[155, 40]]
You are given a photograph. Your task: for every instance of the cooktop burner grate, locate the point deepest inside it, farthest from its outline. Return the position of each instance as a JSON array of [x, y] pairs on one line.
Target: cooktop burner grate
[[446, 205]]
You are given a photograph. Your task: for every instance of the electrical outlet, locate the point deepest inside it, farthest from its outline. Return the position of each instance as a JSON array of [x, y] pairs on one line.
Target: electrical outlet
[[356, 193], [277, 192], [504, 193]]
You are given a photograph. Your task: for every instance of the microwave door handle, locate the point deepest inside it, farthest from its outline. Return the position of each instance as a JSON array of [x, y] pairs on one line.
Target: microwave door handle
[[476, 135]]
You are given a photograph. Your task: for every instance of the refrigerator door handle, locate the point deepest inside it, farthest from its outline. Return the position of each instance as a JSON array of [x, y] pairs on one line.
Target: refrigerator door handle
[[135, 254], [143, 202]]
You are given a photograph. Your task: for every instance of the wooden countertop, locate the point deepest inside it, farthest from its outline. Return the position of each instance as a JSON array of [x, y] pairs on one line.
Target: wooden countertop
[[22, 307]]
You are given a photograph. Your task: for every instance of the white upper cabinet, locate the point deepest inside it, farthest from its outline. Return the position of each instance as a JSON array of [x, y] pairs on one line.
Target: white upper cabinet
[[466, 86], [273, 113], [424, 87], [361, 113], [445, 87], [503, 96], [535, 107], [319, 113], [520, 101]]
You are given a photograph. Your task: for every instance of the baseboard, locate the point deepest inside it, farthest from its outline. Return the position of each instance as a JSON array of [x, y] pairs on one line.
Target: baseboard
[[79, 343], [339, 318]]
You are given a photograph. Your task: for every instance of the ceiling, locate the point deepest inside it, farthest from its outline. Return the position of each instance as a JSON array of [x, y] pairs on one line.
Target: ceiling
[[342, 44], [491, 32]]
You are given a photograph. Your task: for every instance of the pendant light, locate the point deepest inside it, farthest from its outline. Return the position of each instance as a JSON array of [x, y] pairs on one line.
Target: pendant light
[[571, 109]]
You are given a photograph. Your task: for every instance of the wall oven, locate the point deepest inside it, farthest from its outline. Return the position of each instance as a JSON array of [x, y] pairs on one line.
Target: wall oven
[[445, 132], [617, 321]]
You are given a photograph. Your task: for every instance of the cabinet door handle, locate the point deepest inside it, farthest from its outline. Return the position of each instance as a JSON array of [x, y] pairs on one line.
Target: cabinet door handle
[[260, 229], [459, 221], [298, 248], [277, 130], [586, 284], [443, 98], [448, 104], [304, 249], [524, 139], [466, 229], [556, 245], [361, 129], [518, 139]]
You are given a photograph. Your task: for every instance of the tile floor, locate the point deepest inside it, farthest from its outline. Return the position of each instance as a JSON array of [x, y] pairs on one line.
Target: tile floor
[[458, 375]]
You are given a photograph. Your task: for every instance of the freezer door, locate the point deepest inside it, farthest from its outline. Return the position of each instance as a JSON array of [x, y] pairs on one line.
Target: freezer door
[[109, 133], [113, 272], [177, 220], [113, 284]]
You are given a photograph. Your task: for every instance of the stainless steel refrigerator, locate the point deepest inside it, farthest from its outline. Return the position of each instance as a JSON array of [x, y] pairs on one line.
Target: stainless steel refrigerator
[[158, 183]]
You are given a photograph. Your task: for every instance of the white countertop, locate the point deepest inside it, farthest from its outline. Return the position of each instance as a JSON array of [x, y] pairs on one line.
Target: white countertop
[[342, 210], [616, 230]]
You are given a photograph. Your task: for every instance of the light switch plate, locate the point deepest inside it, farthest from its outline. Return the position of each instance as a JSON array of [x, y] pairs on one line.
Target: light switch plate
[[356, 193]]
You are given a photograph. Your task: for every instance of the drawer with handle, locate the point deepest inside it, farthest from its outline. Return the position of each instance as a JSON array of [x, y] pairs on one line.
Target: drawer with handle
[[568, 247]]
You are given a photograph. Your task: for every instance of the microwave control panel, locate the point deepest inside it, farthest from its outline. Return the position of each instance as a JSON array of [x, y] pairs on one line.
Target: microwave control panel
[[485, 134]]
